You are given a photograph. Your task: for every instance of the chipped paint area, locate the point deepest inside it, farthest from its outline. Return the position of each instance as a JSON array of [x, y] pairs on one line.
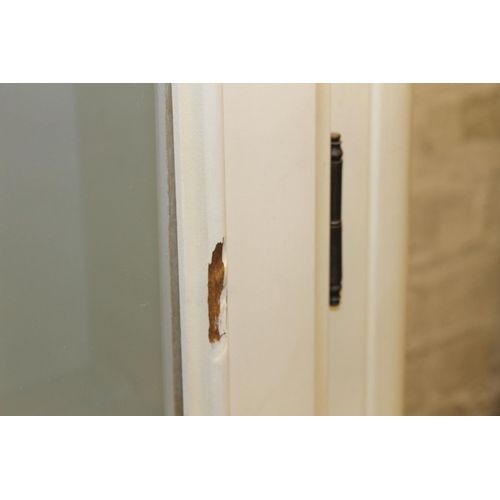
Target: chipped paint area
[[217, 294]]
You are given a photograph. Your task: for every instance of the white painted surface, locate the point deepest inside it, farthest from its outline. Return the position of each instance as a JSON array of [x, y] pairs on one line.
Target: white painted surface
[[199, 165], [350, 116], [322, 256], [389, 160], [366, 333], [280, 361], [270, 181]]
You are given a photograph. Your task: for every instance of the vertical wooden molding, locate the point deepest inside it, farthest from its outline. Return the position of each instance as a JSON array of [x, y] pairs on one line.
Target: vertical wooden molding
[[388, 237], [270, 142], [350, 116], [322, 247], [201, 226]]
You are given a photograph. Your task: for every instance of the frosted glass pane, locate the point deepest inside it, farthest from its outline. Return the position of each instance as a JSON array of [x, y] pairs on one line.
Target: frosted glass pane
[[80, 323]]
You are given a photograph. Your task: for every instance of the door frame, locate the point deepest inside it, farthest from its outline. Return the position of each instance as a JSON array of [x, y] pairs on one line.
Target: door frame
[[367, 332], [357, 349]]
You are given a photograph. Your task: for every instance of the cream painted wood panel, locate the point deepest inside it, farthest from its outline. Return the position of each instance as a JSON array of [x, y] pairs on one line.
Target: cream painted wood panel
[[367, 331], [322, 255], [350, 116], [286, 352], [388, 247], [269, 133], [199, 180]]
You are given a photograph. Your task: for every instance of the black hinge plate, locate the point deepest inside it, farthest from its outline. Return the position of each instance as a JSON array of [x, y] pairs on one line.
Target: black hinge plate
[[335, 219]]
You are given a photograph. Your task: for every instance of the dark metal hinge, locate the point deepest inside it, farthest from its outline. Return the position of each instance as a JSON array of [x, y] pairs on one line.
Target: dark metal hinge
[[335, 219]]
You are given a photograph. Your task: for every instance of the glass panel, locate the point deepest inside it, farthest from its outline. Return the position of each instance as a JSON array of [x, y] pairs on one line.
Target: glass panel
[[80, 322]]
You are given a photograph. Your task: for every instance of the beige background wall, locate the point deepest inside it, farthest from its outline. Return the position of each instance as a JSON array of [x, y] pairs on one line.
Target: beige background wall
[[453, 339]]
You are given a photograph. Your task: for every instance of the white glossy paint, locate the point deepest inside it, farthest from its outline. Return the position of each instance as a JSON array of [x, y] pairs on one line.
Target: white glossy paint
[[270, 179], [200, 192], [322, 243], [268, 141], [366, 333], [389, 160], [350, 116]]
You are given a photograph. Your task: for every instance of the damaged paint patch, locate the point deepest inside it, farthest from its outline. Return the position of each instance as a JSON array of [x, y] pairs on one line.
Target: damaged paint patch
[[216, 274]]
